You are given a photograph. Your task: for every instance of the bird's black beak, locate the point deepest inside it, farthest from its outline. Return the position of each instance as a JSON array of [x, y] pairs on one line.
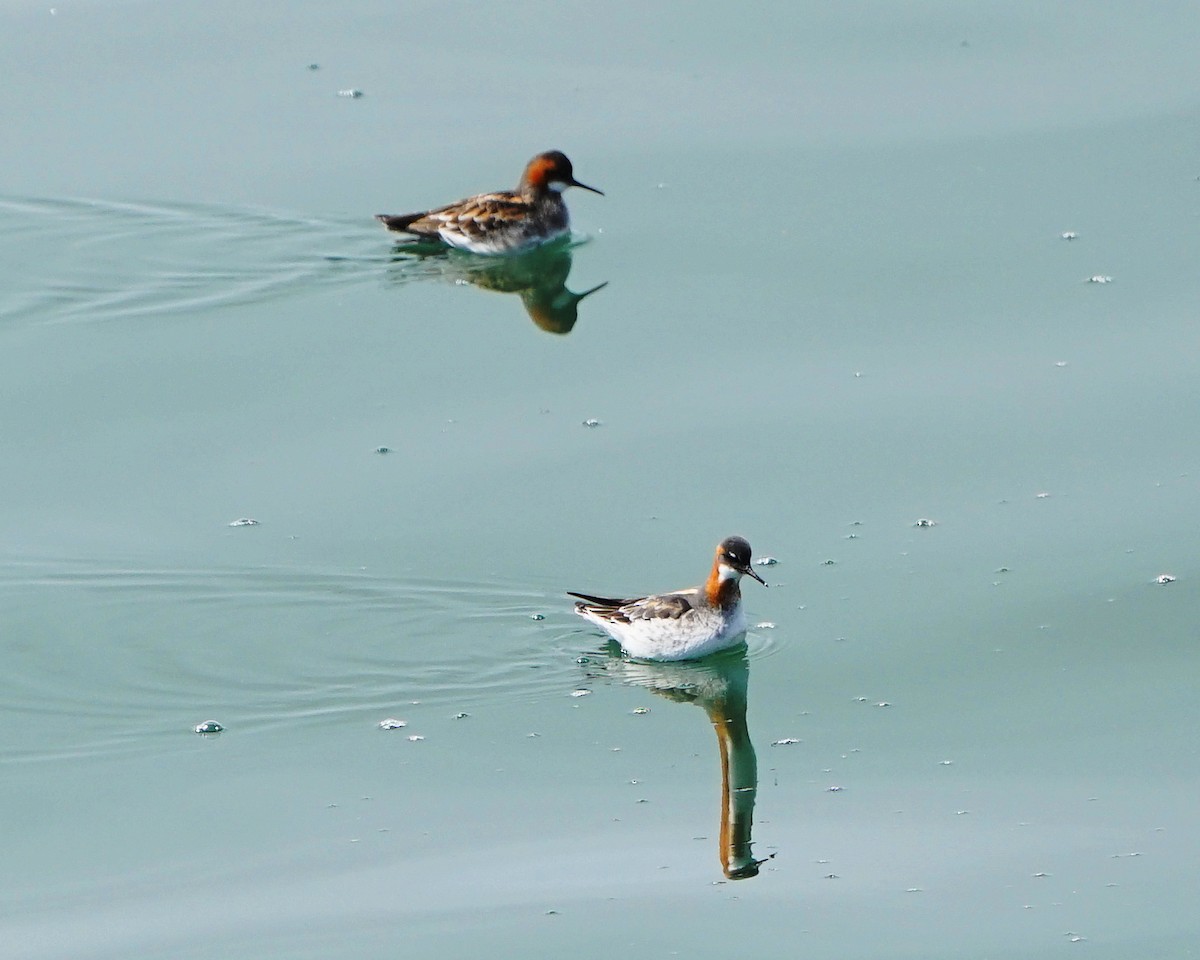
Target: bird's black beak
[[750, 572], [576, 183]]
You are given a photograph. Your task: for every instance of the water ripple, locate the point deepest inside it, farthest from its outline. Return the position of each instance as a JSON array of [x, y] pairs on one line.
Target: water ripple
[[93, 260], [110, 659]]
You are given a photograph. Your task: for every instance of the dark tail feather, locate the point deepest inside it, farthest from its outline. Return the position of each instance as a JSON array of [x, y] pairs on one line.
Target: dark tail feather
[[400, 223], [598, 601]]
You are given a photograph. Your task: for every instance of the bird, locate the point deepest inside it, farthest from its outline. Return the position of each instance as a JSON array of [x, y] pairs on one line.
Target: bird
[[684, 624], [506, 222]]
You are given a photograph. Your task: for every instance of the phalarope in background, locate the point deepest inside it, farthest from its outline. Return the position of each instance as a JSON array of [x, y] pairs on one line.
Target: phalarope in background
[[503, 222]]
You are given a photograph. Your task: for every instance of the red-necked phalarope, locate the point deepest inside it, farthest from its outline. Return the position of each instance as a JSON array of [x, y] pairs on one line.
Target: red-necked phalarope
[[504, 222], [685, 624]]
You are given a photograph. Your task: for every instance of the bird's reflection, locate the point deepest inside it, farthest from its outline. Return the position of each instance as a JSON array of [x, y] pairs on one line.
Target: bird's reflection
[[718, 685], [538, 277]]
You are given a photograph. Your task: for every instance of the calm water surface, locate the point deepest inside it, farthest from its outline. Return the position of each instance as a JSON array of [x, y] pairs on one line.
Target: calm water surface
[[825, 297]]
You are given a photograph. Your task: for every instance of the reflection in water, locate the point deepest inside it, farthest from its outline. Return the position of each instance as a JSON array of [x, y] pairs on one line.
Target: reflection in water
[[99, 260], [539, 277], [718, 685]]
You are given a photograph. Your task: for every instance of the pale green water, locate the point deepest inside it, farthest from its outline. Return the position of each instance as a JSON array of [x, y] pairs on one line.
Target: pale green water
[[837, 302]]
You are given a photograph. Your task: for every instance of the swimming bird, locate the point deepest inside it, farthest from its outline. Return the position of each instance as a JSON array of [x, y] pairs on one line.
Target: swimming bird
[[685, 624], [509, 221]]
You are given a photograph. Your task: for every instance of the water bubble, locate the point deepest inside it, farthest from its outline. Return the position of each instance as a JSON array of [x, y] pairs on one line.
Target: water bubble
[[1069, 235], [537, 616], [461, 716], [829, 563], [834, 789], [1164, 578], [1099, 278], [208, 727], [925, 522], [591, 422], [640, 711], [314, 66], [351, 93], [244, 522], [415, 738], [391, 723], [581, 693], [785, 742], [765, 562], [383, 449], [764, 625]]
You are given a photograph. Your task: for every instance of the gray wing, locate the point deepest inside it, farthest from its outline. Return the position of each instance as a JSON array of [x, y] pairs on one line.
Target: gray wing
[[667, 606], [474, 217]]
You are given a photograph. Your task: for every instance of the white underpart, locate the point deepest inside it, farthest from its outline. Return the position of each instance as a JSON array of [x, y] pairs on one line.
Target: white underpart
[[726, 572], [500, 242], [699, 632], [557, 186]]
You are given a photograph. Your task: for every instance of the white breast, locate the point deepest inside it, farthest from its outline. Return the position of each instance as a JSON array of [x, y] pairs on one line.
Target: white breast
[[697, 633]]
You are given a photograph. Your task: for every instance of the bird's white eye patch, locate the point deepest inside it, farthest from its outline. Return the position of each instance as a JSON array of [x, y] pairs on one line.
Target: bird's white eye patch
[[557, 186]]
